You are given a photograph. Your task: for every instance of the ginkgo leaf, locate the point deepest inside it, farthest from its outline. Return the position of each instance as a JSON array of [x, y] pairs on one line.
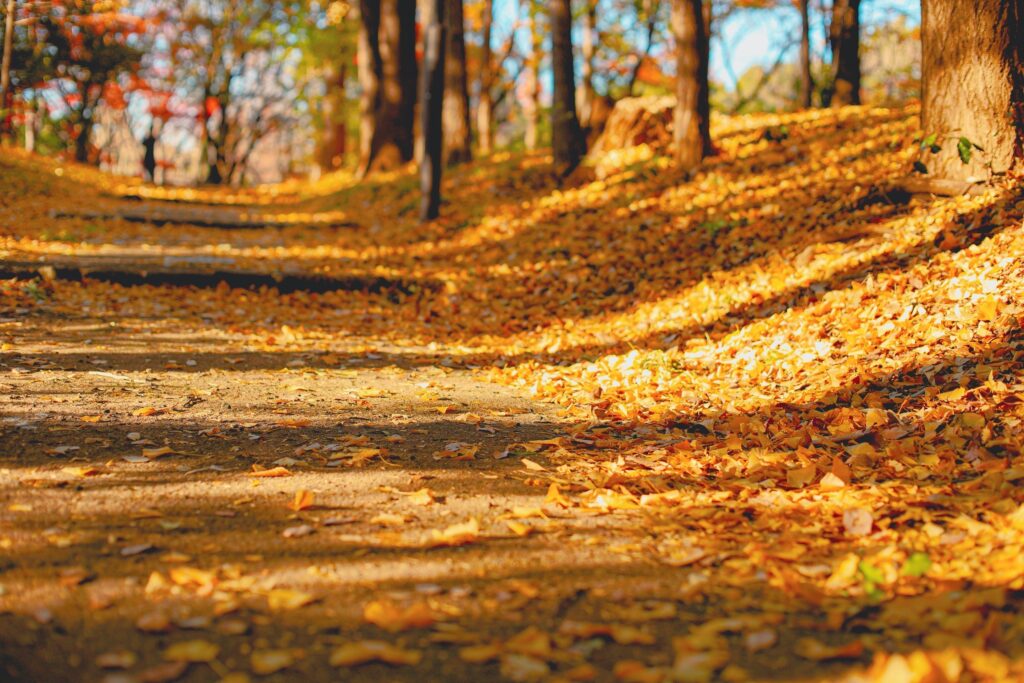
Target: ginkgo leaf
[[365, 651], [303, 501], [192, 651]]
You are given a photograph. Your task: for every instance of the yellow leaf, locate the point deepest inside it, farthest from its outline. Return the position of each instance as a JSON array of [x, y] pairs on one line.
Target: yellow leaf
[[421, 497], [390, 617], [365, 651], [988, 308], [271, 473], [284, 599], [192, 651], [555, 496], [82, 471], [518, 528], [954, 395], [266, 662], [146, 412], [478, 654], [456, 534], [154, 453], [303, 501], [801, 476], [830, 482]]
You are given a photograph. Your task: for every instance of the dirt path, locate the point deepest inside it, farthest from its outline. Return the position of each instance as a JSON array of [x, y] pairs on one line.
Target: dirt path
[[225, 485]]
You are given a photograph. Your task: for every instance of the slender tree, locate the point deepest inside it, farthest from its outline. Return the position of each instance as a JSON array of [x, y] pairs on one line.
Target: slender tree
[[368, 60], [531, 108], [567, 143], [5, 66], [973, 83], [485, 108], [806, 78], [457, 132], [845, 39], [589, 49], [432, 83], [692, 115]]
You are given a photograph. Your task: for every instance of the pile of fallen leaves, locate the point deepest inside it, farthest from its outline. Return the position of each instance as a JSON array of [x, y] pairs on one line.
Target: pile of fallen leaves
[[785, 376]]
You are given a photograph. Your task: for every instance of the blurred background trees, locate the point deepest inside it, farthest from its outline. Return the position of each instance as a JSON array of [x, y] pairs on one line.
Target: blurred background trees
[[237, 92]]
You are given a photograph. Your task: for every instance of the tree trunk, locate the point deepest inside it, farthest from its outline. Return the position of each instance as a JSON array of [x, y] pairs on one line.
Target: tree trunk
[[806, 78], [82, 141], [692, 116], [531, 108], [973, 87], [485, 109], [845, 37], [432, 82], [387, 73], [458, 138], [5, 68], [334, 142], [567, 143], [368, 61], [589, 46]]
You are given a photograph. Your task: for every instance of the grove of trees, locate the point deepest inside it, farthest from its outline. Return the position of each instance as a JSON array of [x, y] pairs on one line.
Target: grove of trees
[[227, 77]]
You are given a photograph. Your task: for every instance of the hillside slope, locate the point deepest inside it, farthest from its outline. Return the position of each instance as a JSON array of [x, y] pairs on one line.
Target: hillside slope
[[769, 415]]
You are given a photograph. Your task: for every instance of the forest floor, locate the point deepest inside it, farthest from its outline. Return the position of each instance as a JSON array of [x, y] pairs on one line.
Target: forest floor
[[759, 424]]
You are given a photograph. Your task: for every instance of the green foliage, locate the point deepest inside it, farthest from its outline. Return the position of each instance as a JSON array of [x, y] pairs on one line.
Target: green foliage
[[916, 565]]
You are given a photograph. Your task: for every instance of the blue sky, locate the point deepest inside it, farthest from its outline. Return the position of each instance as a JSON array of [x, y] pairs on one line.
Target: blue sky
[[756, 37], [753, 37]]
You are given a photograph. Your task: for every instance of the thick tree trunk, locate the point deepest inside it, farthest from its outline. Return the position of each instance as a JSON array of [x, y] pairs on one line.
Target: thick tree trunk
[[432, 83], [368, 59], [567, 143], [806, 79], [457, 132], [387, 73], [531, 108], [485, 109], [692, 116], [333, 144], [845, 38], [589, 48], [973, 83], [5, 67]]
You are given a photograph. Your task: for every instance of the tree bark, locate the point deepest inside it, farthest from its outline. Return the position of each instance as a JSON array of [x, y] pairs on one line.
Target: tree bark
[[692, 134], [845, 38], [387, 73], [5, 67], [432, 83], [531, 108], [457, 132], [333, 144], [973, 87], [806, 78], [368, 61], [589, 49], [567, 143], [485, 109]]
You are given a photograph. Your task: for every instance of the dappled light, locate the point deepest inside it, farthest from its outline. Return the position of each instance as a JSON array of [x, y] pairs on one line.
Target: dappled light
[[386, 378]]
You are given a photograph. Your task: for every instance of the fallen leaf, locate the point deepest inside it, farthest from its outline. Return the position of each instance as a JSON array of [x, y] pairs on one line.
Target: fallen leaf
[[192, 651], [858, 522], [266, 662], [365, 651], [815, 650], [303, 501], [284, 599], [271, 473], [390, 617]]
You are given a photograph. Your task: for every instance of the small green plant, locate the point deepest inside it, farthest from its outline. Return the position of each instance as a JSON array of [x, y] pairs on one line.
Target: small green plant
[[930, 145]]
